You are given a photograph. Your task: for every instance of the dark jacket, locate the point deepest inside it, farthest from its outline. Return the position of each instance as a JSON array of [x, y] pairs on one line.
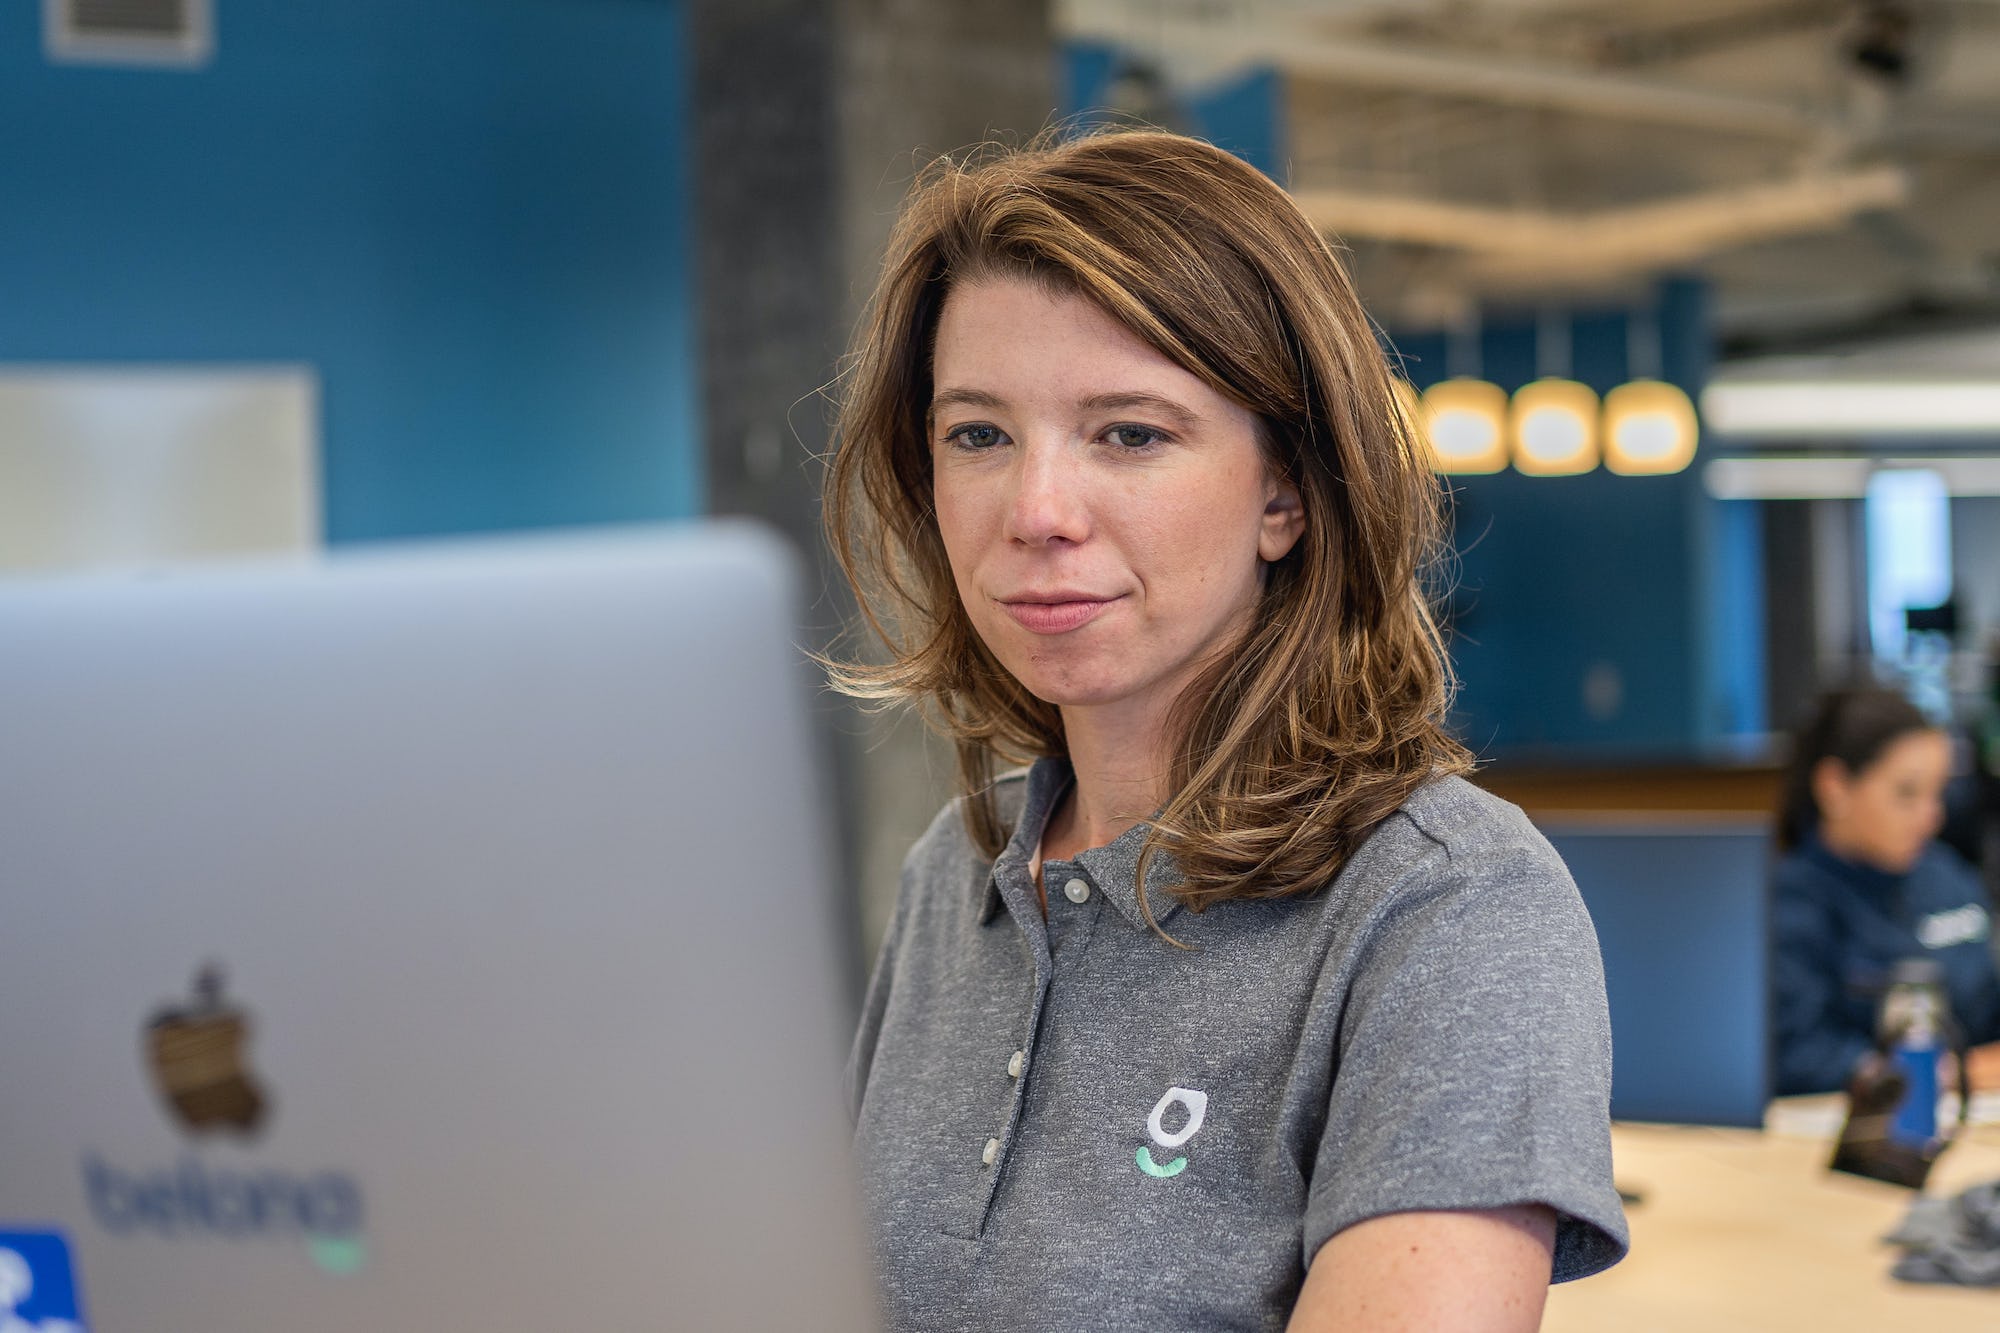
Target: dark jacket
[[1840, 926]]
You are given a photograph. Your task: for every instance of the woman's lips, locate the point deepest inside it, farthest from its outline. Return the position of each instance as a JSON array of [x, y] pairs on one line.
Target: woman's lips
[[1057, 617]]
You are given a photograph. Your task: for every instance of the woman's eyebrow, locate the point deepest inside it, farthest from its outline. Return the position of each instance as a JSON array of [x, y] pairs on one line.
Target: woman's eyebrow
[[966, 398], [1140, 402], [1150, 403]]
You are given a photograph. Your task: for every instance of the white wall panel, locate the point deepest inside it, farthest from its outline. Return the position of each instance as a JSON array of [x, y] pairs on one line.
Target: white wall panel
[[110, 467]]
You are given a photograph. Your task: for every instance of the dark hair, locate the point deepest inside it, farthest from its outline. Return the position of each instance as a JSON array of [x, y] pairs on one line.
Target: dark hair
[[1332, 713], [1852, 727]]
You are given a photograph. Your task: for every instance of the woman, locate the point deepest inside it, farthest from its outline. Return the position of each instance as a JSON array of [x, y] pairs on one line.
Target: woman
[[1237, 1007], [1863, 883]]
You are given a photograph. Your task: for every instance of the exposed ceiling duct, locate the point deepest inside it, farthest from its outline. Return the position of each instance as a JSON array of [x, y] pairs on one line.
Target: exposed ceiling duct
[[1363, 63], [1535, 244], [1475, 149]]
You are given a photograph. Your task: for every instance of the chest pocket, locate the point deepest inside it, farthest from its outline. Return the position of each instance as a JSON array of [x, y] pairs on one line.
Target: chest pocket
[[1151, 1165], [1172, 1153]]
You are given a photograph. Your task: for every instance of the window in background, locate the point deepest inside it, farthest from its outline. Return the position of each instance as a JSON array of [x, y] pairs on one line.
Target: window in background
[[1908, 516]]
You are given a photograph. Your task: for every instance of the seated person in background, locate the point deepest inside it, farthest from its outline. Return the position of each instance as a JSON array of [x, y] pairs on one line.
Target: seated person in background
[[1863, 882]]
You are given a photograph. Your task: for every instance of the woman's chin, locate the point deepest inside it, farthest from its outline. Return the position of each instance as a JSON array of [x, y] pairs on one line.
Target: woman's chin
[[1075, 692], [1896, 862], [1074, 698]]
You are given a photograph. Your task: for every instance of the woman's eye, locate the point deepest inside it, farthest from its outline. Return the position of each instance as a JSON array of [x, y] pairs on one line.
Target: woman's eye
[[1133, 437], [975, 437]]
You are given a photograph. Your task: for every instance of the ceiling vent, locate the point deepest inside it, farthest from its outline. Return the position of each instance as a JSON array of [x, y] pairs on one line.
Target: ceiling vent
[[178, 33]]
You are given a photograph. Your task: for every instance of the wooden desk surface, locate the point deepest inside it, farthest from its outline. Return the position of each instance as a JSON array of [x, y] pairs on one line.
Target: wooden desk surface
[[1747, 1232]]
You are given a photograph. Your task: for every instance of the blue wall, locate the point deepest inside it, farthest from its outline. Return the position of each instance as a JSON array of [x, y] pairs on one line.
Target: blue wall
[[1243, 113], [1643, 580], [468, 215]]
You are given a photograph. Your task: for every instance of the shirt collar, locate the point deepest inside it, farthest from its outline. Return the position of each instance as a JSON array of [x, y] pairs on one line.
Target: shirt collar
[[1867, 878], [1112, 870]]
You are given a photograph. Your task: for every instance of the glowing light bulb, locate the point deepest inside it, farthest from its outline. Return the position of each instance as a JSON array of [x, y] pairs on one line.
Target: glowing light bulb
[[1464, 423], [1649, 429], [1554, 428]]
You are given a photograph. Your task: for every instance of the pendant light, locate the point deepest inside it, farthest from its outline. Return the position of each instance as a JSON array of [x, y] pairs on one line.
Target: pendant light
[[1553, 424], [1649, 425], [1464, 418]]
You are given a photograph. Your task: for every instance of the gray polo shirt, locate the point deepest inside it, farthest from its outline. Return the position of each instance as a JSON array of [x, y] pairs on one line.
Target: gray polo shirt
[[1075, 1125]]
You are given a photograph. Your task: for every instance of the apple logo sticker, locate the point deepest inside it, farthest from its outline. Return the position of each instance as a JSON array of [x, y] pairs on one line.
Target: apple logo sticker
[[196, 1055]]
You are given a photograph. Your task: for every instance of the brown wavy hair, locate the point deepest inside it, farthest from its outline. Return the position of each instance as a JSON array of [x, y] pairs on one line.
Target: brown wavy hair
[[1291, 749]]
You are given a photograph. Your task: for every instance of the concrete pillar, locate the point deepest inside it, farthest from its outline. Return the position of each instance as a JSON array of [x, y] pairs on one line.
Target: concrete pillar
[[811, 120], [918, 79]]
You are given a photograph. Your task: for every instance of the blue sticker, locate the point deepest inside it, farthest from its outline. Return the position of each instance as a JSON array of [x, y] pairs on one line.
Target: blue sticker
[[38, 1284]]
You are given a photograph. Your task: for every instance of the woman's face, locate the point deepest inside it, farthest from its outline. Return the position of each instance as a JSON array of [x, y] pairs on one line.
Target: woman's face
[[1888, 812], [1105, 512]]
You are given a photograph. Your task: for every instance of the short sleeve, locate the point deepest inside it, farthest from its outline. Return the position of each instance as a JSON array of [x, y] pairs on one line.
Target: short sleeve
[[1474, 1055]]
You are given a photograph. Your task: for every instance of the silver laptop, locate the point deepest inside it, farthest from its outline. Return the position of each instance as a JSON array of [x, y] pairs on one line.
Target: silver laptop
[[433, 940]]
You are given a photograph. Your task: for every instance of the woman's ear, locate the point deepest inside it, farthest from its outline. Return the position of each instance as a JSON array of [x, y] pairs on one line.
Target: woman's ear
[[1830, 781], [1284, 521]]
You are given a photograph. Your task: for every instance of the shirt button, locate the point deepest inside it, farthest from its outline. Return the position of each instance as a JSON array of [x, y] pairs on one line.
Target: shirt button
[[992, 1151], [1076, 891], [1015, 1064]]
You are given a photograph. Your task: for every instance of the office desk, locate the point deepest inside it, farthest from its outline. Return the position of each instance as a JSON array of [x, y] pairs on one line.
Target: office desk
[[1742, 1232]]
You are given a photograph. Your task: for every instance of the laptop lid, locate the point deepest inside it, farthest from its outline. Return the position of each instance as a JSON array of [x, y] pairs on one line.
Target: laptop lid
[[435, 939]]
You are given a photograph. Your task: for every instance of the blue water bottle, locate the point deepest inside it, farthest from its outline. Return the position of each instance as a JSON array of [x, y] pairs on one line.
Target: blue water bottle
[[1915, 1019]]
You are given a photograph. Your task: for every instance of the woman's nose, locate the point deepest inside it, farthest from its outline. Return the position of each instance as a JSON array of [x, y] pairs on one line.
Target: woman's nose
[[1050, 502]]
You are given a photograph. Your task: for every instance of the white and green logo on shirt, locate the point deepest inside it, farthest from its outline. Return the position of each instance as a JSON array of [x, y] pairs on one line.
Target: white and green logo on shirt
[[1197, 1110]]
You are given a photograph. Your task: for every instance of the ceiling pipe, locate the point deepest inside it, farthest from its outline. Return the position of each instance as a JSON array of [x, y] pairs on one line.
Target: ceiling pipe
[[1477, 76], [1519, 242]]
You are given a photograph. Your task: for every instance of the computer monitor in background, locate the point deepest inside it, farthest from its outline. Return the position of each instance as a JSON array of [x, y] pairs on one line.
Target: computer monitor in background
[[442, 939], [1682, 916]]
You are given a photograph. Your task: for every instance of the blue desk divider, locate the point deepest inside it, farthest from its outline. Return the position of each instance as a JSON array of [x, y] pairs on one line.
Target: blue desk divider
[[1683, 919]]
